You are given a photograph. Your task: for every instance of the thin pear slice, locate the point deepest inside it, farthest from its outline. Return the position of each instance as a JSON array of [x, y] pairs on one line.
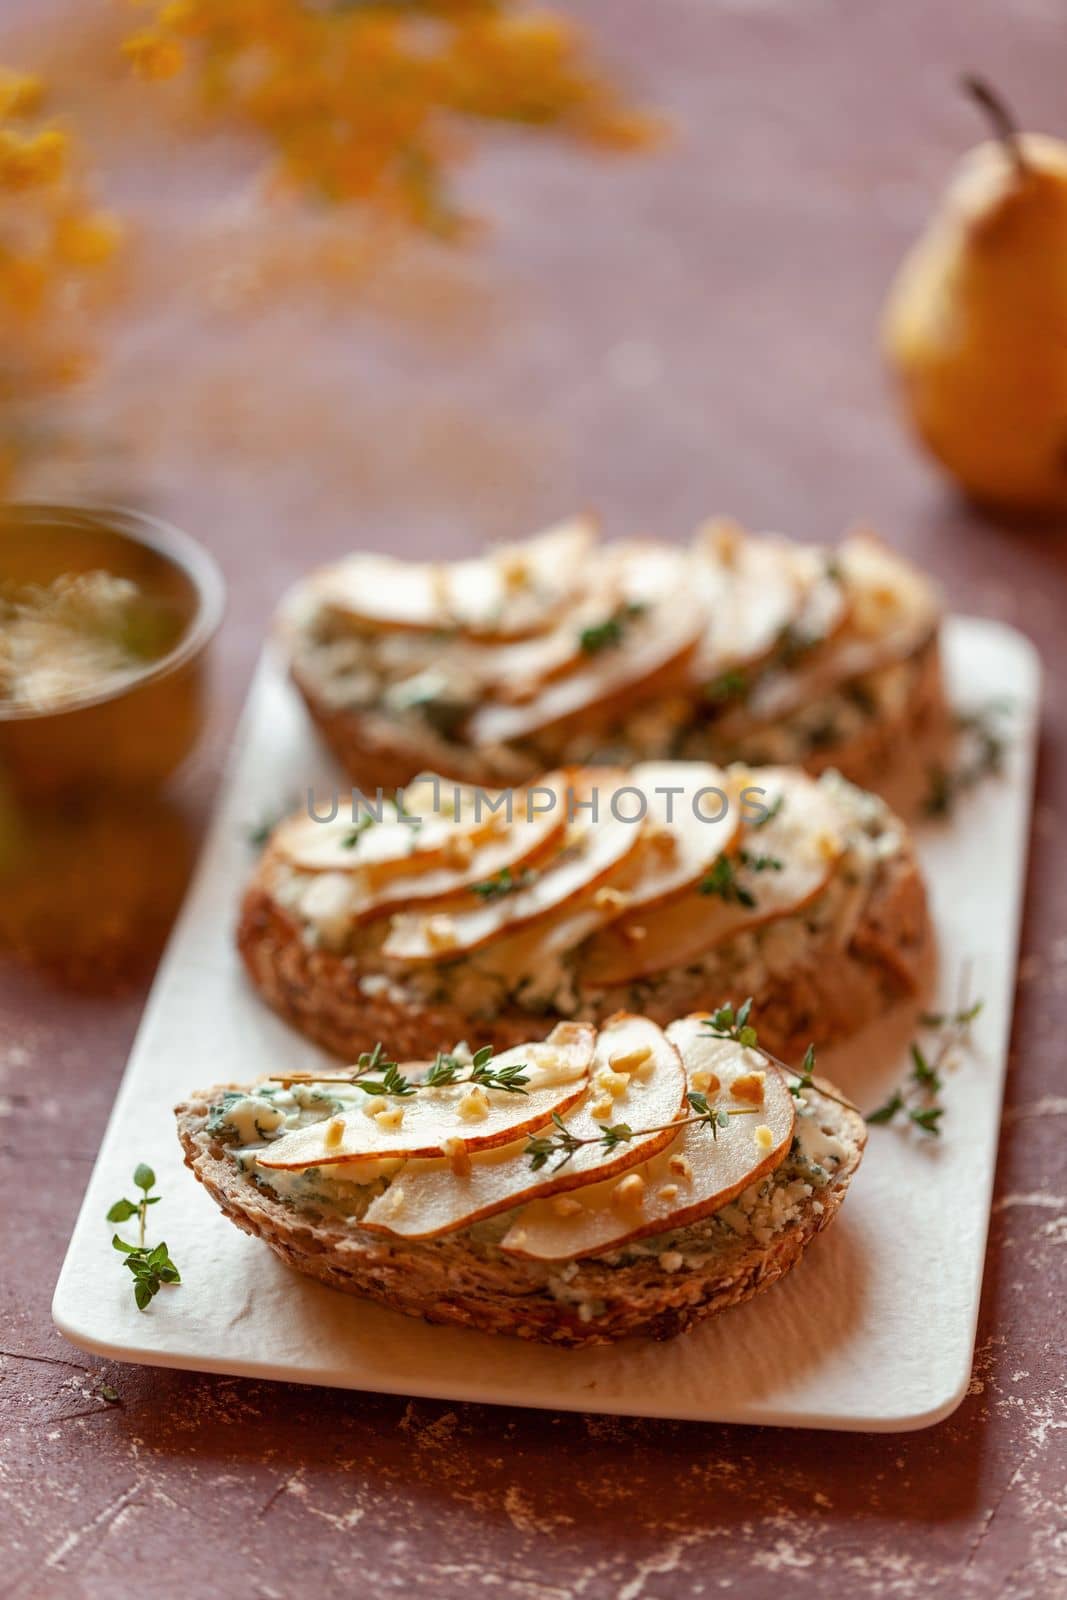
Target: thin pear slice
[[890, 610], [537, 948], [894, 604], [637, 1079], [790, 859], [695, 817], [452, 1116], [753, 589], [355, 841], [510, 592], [695, 1176], [591, 854], [676, 848], [650, 655], [441, 857], [516, 673]]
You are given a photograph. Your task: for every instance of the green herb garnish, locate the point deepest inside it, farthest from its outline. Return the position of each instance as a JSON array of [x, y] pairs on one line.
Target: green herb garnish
[[726, 1023], [917, 1099], [151, 1266], [560, 1147], [607, 635], [984, 747], [729, 685], [770, 812], [357, 830], [760, 863], [503, 882], [722, 880], [450, 1069], [391, 1082]]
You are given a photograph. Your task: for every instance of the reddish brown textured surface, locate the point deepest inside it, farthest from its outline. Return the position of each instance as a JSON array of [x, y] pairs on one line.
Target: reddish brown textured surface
[[661, 338]]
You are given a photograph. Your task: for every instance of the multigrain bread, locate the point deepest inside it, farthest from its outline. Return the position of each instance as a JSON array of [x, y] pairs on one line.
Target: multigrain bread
[[564, 651], [651, 1280], [813, 905]]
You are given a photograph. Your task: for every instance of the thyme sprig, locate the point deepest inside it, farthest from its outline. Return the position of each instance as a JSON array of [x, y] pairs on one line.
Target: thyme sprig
[[391, 1082], [984, 747], [151, 1266], [917, 1098], [445, 1069], [728, 1023], [563, 1144], [369, 1061], [450, 1069]]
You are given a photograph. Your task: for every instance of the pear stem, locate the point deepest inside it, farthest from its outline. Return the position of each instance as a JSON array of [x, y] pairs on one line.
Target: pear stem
[[1005, 127]]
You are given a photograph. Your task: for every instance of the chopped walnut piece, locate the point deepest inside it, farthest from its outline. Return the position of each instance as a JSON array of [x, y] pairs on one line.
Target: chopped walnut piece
[[749, 1088]]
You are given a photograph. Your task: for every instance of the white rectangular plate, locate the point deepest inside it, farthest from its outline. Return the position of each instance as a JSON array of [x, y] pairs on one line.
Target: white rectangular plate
[[873, 1330]]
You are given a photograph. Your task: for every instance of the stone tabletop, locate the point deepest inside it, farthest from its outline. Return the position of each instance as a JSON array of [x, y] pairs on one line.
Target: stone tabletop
[[659, 337]]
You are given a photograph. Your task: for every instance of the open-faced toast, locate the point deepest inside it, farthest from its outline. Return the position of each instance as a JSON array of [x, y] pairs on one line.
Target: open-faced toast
[[688, 1172], [655, 890], [562, 651]]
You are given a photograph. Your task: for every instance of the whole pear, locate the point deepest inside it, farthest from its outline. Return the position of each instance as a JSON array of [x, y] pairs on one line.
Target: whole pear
[[976, 321]]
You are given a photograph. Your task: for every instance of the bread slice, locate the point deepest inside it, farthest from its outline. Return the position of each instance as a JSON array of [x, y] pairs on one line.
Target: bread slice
[[654, 1285], [853, 939], [739, 648]]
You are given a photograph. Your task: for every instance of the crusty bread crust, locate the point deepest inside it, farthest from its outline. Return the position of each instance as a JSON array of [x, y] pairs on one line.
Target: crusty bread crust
[[831, 992], [454, 1279], [872, 756], [376, 751]]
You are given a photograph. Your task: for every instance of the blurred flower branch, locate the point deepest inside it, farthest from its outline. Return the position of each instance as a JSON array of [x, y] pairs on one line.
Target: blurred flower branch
[[53, 243], [369, 100]]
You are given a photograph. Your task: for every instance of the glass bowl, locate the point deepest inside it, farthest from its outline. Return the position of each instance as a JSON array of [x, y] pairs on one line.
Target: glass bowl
[[127, 731]]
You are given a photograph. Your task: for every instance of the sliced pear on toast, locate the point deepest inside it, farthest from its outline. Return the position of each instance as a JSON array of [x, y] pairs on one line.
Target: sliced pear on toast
[[893, 602], [682, 837], [694, 818], [637, 1079], [696, 1175], [355, 841], [510, 592], [591, 853], [443, 856], [889, 610], [639, 649], [753, 589], [781, 866], [465, 1115]]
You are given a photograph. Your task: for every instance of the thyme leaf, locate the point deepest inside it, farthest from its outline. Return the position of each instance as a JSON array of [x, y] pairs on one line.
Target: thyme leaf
[[723, 881], [391, 1082], [608, 635], [503, 882], [357, 830], [760, 863], [771, 811], [729, 685]]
